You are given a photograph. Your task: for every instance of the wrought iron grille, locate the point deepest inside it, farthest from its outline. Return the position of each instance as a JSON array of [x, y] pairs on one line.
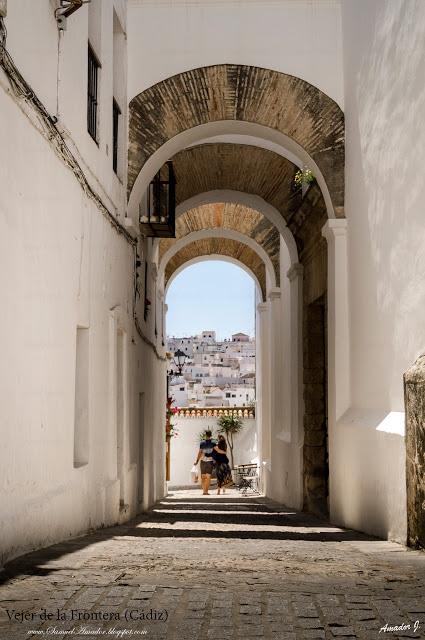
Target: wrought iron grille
[[116, 112], [160, 218], [92, 90]]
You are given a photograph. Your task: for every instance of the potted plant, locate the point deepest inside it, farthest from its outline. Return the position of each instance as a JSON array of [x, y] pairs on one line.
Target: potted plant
[[303, 178]]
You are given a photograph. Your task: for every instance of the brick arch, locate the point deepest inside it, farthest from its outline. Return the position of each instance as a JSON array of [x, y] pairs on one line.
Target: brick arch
[[229, 216], [226, 92], [239, 167], [219, 247]]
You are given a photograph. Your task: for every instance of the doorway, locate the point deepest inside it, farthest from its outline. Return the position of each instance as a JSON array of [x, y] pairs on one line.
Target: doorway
[[315, 452]]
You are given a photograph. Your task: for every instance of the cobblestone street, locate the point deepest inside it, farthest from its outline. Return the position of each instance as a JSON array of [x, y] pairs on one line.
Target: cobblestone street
[[217, 567]]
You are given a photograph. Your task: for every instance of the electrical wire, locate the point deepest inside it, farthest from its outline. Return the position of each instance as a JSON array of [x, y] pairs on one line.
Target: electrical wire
[[23, 91]]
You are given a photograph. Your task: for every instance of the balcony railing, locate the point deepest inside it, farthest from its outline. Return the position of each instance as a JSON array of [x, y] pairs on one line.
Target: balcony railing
[[160, 218], [215, 412]]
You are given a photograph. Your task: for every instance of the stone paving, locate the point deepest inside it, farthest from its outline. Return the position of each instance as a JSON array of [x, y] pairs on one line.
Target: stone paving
[[218, 567]]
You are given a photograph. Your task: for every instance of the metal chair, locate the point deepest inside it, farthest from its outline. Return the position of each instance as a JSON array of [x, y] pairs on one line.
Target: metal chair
[[247, 478]]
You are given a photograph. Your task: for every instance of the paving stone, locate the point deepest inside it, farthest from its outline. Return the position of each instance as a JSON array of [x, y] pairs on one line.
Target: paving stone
[[305, 612], [274, 588], [250, 609], [361, 614], [223, 620], [279, 625], [314, 634], [309, 623], [343, 631], [196, 606], [224, 633], [223, 609], [251, 631], [357, 599], [192, 615]]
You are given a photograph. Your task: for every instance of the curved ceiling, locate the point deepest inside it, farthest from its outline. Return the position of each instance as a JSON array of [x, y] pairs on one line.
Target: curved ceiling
[[219, 247], [253, 170], [242, 93], [233, 217]]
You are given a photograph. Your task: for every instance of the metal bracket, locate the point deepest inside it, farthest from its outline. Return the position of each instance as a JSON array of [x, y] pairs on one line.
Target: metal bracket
[[67, 8]]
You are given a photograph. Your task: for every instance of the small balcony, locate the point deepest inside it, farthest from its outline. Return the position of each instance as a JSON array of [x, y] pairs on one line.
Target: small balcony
[[159, 219]]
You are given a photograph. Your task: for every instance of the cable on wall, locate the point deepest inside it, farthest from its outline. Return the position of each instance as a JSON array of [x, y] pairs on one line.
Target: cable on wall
[[23, 91]]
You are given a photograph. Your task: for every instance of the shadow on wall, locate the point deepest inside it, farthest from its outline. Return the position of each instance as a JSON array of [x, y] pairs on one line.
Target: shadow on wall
[[385, 101], [375, 439]]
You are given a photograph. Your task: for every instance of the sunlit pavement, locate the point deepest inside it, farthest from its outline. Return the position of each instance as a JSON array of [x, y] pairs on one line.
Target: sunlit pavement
[[217, 567]]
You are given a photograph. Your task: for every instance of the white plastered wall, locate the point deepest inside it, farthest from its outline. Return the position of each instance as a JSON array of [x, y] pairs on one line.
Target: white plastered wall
[[184, 447], [55, 65], [63, 267], [286, 439], [298, 37], [385, 101]]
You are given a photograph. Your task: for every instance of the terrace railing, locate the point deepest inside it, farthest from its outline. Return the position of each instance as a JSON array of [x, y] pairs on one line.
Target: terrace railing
[[215, 412]]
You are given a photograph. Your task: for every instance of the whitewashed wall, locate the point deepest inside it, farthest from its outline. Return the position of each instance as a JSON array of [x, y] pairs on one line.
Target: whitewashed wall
[[61, 81], [185, 447], [64, 266], [302, 38], [385, 104]]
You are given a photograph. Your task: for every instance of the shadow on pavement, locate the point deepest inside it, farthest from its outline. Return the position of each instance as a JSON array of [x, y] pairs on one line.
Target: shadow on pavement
[[251, 518]]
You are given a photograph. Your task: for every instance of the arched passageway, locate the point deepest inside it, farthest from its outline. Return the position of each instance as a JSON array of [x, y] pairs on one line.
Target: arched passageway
[[340, 299], [211, 321], [287, 228], [248, 94]]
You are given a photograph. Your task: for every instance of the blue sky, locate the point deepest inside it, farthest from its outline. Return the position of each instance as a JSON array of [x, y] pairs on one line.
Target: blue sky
[[213, 295]]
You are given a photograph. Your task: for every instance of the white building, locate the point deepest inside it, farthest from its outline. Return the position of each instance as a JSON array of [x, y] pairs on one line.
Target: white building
[[179, 391], [213, 364], [240, 337], [208, 337], [239, 396], [88, 116]]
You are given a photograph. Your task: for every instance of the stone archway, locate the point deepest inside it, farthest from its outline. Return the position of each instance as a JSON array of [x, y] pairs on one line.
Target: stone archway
[[229, 92], [289, 252], [177, 119], [224, 219], [243, 168], [212, 246]]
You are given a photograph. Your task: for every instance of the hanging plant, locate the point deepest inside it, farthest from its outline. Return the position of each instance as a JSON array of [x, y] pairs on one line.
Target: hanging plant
[[173, 432], [171, 411], [303, 177]]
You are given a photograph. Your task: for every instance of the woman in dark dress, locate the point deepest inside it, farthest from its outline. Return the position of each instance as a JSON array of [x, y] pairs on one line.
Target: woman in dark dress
[[223, 471]]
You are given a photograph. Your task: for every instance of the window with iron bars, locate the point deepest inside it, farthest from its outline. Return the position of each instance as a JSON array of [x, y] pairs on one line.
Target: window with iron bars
[[92, 91], [116, 112]]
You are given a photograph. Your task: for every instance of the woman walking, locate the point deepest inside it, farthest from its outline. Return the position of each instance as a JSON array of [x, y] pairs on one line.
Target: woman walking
[[223, 471]]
